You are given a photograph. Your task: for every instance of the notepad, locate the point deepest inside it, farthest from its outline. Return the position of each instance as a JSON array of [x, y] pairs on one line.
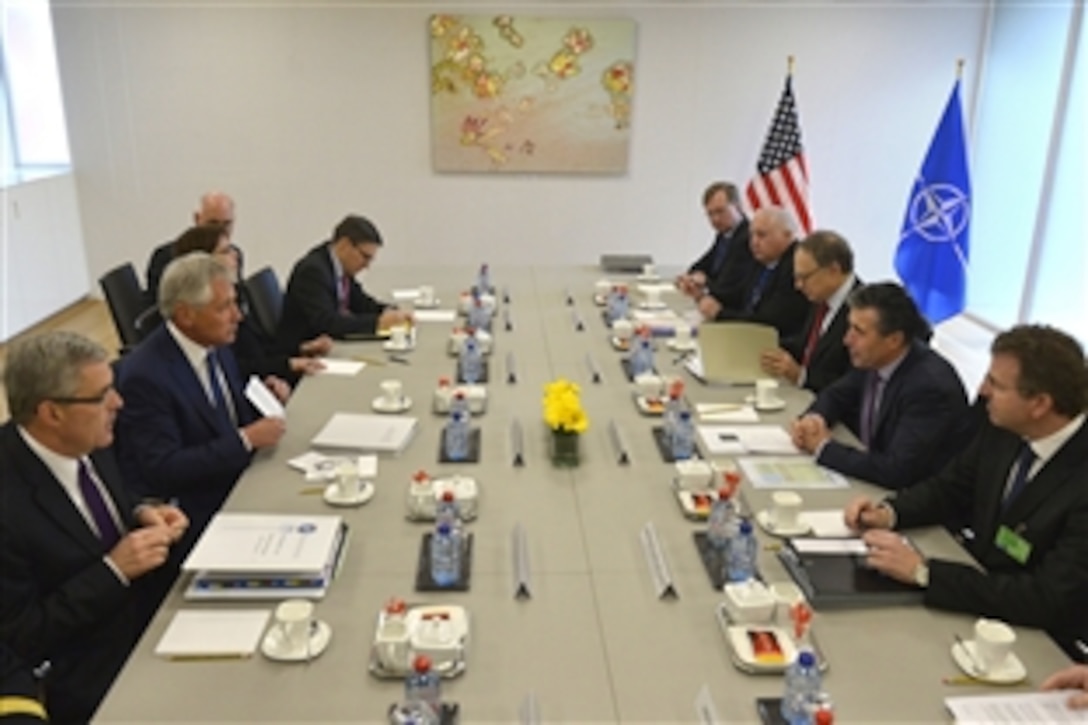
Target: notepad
[[364, 432], [1038, 708], [348, 368], [213, 634], [264, 399]]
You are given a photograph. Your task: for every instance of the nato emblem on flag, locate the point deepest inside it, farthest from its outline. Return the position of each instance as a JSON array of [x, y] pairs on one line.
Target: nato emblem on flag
[[932, 255]]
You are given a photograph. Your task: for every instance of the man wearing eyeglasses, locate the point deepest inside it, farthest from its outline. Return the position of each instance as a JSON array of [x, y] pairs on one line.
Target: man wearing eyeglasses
[[75, 549], [823, 270], [325, 298]]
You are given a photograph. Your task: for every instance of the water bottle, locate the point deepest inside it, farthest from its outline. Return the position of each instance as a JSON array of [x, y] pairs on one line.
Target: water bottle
[[673, 406], [683, 437], [448, 511], [622, 304], [723, 523], [423, 690], [611, 302], [479, 316], [642, 359], [803, 685], [459, 404], [456, 436], [741, 554], [471, 361], [483, 280], [445, 556]]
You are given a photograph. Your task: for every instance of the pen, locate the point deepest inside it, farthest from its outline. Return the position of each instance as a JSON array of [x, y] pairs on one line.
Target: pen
[[399, 359], [210, 657], [311, 490]]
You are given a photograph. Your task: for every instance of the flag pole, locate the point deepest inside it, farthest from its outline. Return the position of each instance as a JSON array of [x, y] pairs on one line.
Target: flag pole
[[959, 69], [789, 65]]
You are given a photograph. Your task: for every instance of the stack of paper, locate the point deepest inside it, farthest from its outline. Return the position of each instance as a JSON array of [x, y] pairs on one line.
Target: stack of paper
[[362, 432], [259, 556], [1037, 708], [724, 440], [213, 634]]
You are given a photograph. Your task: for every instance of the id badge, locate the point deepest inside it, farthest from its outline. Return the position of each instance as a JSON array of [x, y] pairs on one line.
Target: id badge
[[1016, 546]]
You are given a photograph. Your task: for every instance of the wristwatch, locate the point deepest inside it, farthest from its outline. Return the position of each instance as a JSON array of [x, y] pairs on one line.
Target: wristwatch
[[921, 574]]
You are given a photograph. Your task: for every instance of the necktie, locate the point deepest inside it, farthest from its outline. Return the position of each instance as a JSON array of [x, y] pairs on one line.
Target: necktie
[[218, 397], [96, 504], [757, 290], [1020, 478], [869, 408], [721, 246], [815, 333], [345, 293]]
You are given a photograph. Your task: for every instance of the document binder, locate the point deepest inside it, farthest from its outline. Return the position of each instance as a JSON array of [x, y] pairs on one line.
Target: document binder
[[843, 581]]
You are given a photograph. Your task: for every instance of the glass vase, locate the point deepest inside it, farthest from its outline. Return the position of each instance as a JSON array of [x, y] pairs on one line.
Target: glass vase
[[565, 448]]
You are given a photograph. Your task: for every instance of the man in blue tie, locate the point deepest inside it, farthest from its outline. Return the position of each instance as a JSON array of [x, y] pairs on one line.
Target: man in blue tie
[[1023, 486], [904, 402], [75, 548], [187, 431], [723, 269]]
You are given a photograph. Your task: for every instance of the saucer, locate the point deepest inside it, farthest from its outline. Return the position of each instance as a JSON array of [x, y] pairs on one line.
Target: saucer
[[419, 304], [649, 406], [600, 300], [645, 305], [383, 405], [649, 278], [674, 345], [619, 344], [333, 498], [798, 529], [273, 646], [777, 404], [1009, 672]]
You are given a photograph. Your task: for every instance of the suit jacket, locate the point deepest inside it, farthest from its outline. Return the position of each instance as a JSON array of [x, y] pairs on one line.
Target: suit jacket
[[170, 437], [255, 351], [921, 423], [1050, 589], [59, 600], [780, 305], [830, 358], [311, 305], [161, 256], [726, 283]]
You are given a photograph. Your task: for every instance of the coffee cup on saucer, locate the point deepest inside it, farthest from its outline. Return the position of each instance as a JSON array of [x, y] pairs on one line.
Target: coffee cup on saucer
[[653, 296], [767, 393], [649, 386], [682, 337], [391, 643], [347, 479], [294, 620], [786, 510], [648, 271], [623, 330], [602, 288], [392, 393], [993, 643], [425, 297], [398, 337]]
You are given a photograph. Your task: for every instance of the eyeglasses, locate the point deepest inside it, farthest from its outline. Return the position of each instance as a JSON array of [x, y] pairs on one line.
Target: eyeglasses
[[802, 278], [85, 400], [367, 256]]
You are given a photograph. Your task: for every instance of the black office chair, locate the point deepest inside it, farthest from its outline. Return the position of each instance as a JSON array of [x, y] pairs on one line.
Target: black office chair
[[125, 298], [265, 300]]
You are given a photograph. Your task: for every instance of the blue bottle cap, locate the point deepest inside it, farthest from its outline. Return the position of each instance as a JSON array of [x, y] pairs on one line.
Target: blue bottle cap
[[806, 659], [444, 529], [685, 415], [746, 527]]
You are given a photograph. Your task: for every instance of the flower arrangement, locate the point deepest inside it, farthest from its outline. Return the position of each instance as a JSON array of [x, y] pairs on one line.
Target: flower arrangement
[[563, 410]]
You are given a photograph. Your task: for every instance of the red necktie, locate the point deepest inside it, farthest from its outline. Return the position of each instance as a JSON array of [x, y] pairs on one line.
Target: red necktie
[[345, 293], [814, 333]]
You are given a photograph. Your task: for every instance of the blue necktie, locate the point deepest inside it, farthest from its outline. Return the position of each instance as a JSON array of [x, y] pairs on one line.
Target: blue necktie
[[96, 505], [757, 290], [1020, 478], [217, 389]]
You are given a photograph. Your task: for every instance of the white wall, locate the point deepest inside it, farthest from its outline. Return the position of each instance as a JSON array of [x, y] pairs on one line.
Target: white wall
[[305, 113]]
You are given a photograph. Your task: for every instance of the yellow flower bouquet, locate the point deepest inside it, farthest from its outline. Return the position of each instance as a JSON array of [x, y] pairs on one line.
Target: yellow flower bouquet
[[565, 416]]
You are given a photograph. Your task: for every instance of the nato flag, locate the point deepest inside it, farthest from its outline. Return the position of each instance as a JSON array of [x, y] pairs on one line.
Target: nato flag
[[932, 255]]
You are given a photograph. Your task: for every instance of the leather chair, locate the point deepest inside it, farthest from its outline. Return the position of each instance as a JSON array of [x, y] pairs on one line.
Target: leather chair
[[265, 300], [125, 298]]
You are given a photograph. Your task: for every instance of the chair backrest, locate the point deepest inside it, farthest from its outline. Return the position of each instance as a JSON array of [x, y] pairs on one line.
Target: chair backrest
[[265, 299], [125, 298]]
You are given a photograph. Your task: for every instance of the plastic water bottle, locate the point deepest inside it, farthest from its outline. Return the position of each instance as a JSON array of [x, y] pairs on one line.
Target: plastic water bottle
[[423, 691], [471, 361], [723, 523], [741, 554], [459, 404], [455, 437], [642, 359], [483, 279], [479, 316], [448, 511], [622, 304], [803, 686], [445, 556], [683, 437]]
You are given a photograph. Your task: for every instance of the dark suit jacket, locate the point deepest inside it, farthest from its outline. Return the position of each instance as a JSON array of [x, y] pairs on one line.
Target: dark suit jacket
[[780, 306], [161, 256], [726, 284], [830, 358], [59, 600], [168, 434], [256, 352], [1049, 590], [311, 306], [921, 423]]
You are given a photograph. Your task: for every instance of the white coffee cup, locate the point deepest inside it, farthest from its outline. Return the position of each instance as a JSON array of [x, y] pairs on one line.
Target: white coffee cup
[[649, 386], [294, 618], [398, 336], [426, 295], [623, 329], [347, 479], [682, 336], [391, 643], [648, 270], [786, 510], [653, 296], [766, 393], [993, 643], [602, 287], [392, 392]]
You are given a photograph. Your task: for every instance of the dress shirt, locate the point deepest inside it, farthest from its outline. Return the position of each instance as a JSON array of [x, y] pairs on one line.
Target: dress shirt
[[1046, 448], [836, 301], [197, 355], [338, 274]]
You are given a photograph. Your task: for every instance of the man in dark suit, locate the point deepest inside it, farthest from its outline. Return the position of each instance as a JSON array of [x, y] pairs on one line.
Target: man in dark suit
[[903, 401], [769, 295], [187, 431], [723, 269], [216, 209], [823, 270], [324, 298], [75, 549], [1023, 483]]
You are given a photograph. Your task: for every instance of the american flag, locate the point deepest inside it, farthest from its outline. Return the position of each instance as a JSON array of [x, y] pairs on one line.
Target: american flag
[[782, 178]]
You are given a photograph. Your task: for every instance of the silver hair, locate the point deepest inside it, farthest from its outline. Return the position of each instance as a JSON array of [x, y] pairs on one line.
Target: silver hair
[[782, 217], [188, 280], [46, 366]]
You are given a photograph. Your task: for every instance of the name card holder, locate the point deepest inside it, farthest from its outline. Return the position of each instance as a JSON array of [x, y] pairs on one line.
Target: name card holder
[[519, 546], [618, 443], [656, 561], [706, 712], [594, 371], [576, 318], [508, 322], [529, 712], [517, 443], [505, 295], [568, 296], [511, 372]]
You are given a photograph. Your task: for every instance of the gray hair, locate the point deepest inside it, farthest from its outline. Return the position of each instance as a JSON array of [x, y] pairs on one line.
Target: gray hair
[[46, 366], [188, 280], [781, 217]]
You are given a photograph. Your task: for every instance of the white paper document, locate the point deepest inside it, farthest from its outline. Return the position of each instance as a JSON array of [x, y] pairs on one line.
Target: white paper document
[[264, 399], [319, 467], [726, 413], [829, 546], [798, 472], [259, 543], [406, 295], [734, 439], [828, 524], [434, 315], [1037, 708], [661, 288], [363, 432], [199, 633], [334, 366]]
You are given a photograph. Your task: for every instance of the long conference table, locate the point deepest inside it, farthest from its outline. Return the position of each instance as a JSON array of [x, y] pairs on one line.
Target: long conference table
[[593, 642]]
